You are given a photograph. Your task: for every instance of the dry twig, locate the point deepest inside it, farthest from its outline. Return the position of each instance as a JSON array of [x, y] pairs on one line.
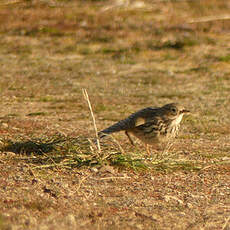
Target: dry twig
[[226, 223], [209, 19], [94, 121]]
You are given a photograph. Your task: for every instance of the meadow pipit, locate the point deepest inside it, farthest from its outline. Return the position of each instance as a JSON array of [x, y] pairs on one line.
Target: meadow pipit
[[150, 125]]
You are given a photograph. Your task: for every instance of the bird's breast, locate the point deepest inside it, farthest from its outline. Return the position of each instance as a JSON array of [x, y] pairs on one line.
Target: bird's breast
[[177, 120]]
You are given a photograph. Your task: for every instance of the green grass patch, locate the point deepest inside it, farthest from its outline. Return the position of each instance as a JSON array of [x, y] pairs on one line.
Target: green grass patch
[[127, 161], [173, 95], [225, 58], [67, 152], [51, 31], [37, 114]]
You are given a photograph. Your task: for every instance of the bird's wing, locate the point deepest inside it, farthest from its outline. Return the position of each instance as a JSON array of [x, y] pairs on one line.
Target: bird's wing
[[151, 126], [144, 116], [139, 118]]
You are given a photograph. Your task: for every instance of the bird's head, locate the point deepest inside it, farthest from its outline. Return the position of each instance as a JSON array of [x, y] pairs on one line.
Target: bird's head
[[174, 111]]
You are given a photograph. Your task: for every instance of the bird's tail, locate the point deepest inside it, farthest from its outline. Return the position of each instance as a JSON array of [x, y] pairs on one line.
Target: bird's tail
[[119, 126]]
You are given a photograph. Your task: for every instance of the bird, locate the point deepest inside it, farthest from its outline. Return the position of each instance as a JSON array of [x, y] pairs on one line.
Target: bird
[[151, 125]]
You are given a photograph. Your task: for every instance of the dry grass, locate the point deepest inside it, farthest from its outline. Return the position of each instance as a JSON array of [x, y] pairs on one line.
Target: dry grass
[[127, 55]]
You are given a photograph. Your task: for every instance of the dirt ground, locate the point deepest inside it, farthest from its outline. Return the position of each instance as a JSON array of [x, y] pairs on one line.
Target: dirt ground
[[127, 55]]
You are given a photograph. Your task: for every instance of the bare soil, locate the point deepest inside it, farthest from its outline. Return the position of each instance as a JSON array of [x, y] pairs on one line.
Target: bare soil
[[127, 55]]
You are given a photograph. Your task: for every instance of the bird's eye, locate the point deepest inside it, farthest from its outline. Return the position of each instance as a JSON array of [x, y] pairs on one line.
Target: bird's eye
[[174, 110]]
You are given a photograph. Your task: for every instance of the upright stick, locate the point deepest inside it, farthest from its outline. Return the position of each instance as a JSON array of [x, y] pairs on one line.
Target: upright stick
[[94, 121]]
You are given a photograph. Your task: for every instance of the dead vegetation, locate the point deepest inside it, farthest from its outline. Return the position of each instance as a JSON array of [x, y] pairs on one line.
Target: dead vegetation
[[127, 55]]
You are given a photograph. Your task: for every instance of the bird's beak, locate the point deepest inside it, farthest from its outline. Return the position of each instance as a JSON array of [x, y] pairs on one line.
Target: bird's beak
[[184, 111]]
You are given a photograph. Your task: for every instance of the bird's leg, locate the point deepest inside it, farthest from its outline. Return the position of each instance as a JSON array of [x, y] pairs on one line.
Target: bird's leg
[[147, 147], [157, 148], [130, 139]]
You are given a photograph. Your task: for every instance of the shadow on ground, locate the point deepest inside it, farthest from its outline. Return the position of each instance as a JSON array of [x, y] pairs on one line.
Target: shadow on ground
[[30, 147], [52, 152]]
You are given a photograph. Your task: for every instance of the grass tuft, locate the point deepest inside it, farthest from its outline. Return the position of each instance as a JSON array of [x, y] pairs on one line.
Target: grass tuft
[[66, 152]]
